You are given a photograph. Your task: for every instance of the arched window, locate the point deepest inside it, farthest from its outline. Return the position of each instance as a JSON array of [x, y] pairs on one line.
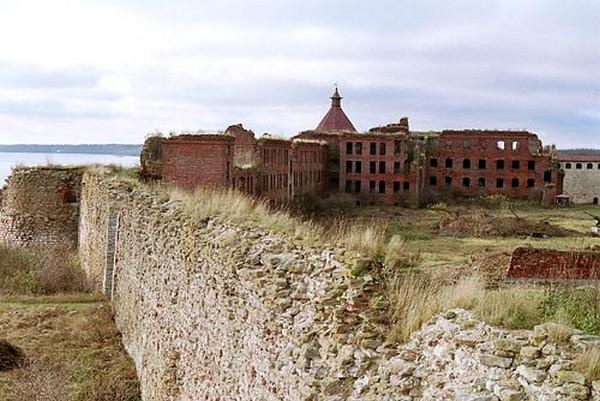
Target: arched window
[[578, 166], [590, 166], [568, 166], [466, 182]]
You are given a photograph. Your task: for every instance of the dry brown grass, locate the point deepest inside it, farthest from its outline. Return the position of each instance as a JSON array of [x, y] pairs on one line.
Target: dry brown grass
[[74, 353], [512, 307], [60, 271], [39, 271], [201, 204], [588, 363], [417, 297], [40, 381]]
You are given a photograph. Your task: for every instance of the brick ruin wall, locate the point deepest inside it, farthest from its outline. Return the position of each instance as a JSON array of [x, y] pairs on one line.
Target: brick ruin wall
[[375, 167], [475, 163], [40, 207], [549, 264], [216, 311], [378, 168], [190, 161]]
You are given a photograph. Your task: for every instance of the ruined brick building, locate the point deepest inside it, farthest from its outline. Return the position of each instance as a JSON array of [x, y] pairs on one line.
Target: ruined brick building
[[388, 164]]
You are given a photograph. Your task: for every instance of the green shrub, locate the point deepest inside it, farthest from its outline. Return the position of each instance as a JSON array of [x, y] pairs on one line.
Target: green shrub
[[580, 305]]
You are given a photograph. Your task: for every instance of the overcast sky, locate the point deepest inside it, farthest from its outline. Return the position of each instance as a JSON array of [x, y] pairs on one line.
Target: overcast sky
[[113, 71]]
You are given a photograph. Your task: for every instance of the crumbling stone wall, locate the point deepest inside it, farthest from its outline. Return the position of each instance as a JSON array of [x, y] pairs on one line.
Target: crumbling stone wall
[[214, 311], [457, 357], [40, 207], [151, 158], [550, 264], [209, 310]]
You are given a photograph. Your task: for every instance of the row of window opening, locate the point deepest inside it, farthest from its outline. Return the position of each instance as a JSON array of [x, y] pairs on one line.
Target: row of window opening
[[356, 148], [579, 166], [481, 182], [380, 167], [376, 187], [482, 164], [272, 182]]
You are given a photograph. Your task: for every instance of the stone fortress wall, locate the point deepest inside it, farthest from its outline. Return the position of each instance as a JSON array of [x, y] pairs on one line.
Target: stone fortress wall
[[216, 311], [582, 177], [40, 207]]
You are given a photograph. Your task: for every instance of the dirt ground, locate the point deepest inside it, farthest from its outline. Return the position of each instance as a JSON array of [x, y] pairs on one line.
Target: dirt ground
[[72, 351]]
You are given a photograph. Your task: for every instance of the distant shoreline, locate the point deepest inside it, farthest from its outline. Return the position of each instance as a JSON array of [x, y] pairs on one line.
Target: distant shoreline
[[99, 149]]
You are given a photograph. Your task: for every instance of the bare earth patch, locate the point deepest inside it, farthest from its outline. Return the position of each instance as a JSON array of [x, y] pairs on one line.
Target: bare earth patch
[[73, 351]]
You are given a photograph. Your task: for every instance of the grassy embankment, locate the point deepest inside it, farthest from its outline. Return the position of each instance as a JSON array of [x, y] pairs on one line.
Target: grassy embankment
[[69, 344]]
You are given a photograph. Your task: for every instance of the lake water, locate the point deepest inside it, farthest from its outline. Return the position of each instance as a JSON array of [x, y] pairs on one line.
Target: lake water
[[8, 160]]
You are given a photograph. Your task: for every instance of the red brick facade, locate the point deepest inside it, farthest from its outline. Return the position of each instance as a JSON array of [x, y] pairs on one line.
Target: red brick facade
[[198, 160], [309, 168], [274, 157], [548, 264], [380, 168], [389, 167], [475, 163], [275, 169], [244, 151]]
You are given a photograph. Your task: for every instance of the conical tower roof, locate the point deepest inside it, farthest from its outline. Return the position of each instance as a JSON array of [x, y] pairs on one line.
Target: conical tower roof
[[336, 119]]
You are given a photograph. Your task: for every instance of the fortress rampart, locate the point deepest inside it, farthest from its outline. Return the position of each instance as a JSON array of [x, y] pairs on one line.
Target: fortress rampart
[[210, 310]]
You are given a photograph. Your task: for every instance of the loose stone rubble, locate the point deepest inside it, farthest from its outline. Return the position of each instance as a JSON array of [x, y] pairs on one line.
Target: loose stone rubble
[[456, 357]]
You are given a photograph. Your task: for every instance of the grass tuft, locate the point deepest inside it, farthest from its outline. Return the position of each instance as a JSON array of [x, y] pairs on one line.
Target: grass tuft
[[588, 363]]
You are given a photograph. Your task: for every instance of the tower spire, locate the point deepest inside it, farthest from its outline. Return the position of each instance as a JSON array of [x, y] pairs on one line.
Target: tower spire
[[336, 99], [336, 119]]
